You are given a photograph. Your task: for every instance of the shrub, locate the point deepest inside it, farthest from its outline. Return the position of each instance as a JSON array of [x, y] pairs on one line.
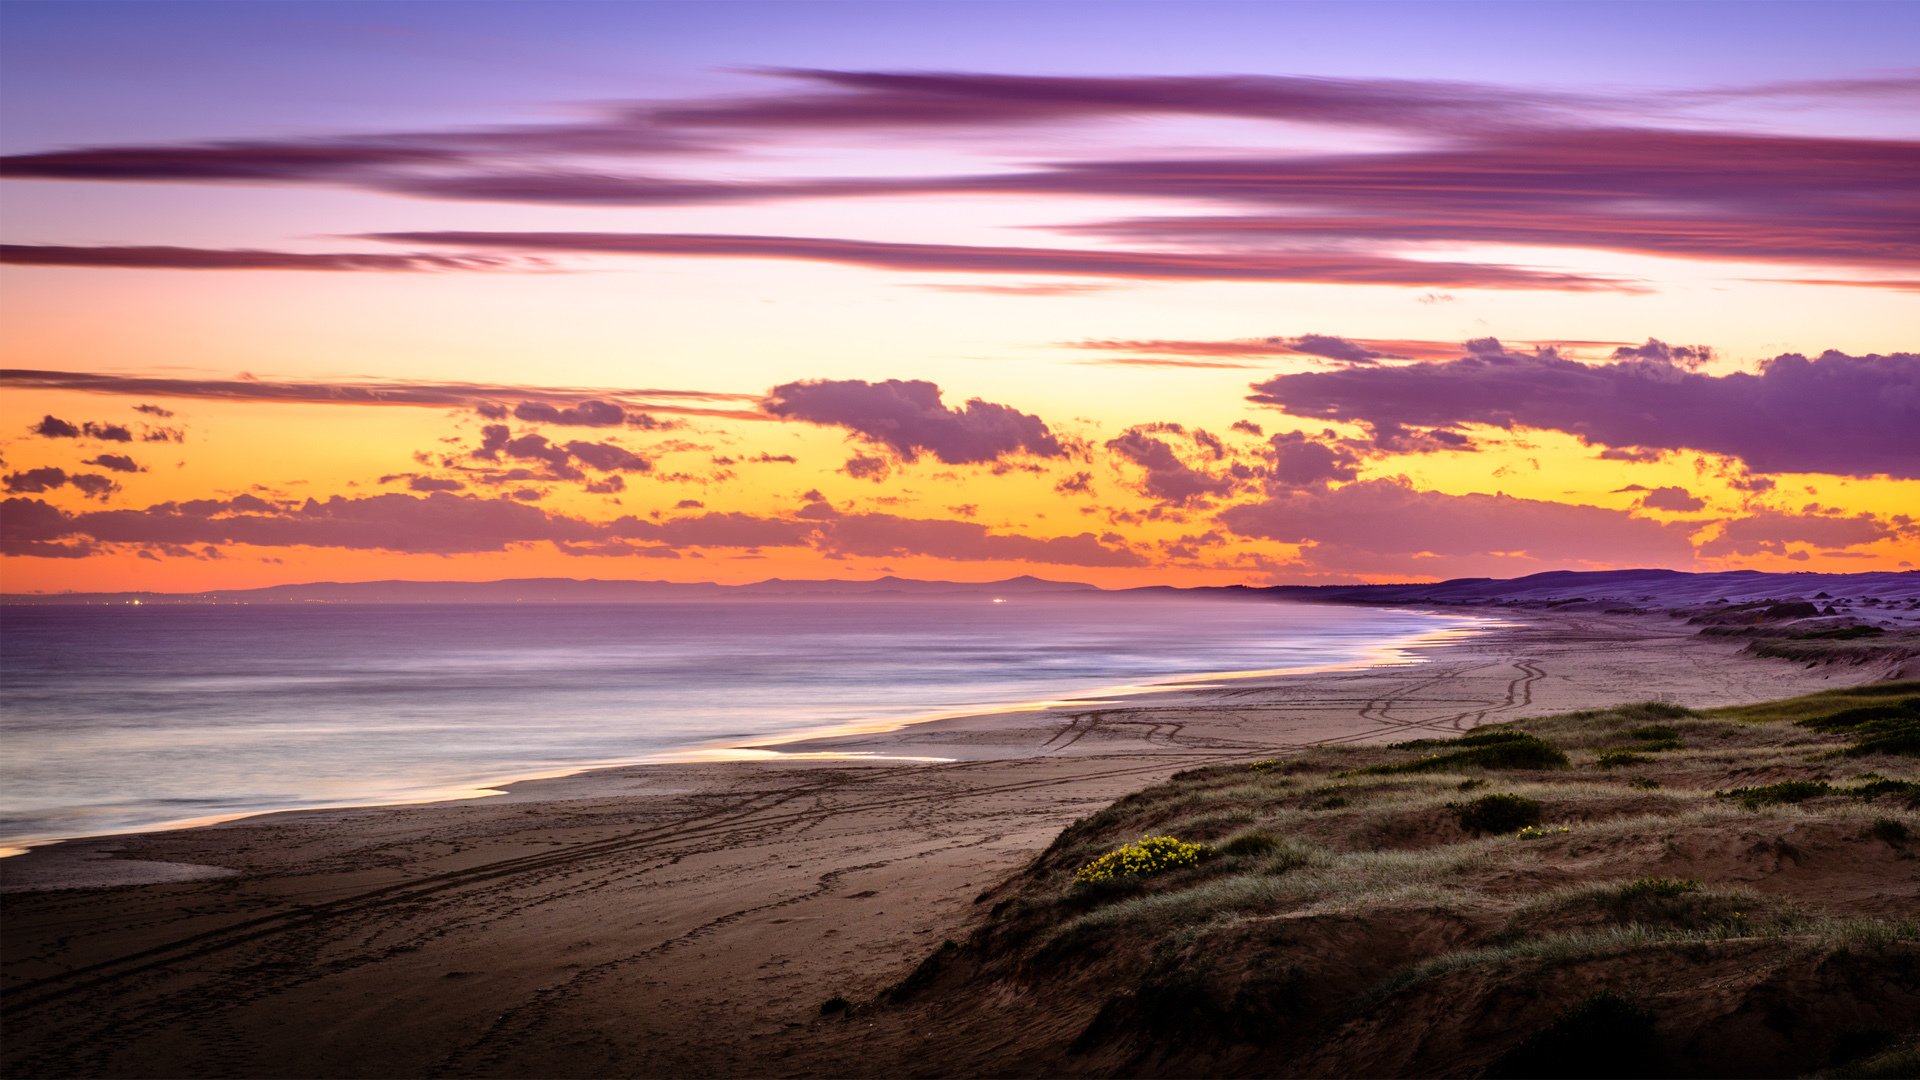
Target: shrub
[[1614, 759], [1644, 783], [1605, 1035], [1889, 832], [1654, 733], [1151, 855], [1249, 844], [1789, 791], [1496, 813], [1540, 832], [1892, 728], [1876, 786], [1480, 750]]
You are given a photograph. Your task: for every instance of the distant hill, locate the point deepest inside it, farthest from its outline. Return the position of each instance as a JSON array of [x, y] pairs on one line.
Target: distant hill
[[552, 591], [1651, 589]]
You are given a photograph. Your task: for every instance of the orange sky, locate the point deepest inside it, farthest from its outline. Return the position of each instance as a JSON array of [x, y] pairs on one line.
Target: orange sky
[[854, 320]]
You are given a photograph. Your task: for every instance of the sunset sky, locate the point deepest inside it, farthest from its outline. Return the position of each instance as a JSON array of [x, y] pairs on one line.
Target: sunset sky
[[1122, 293]]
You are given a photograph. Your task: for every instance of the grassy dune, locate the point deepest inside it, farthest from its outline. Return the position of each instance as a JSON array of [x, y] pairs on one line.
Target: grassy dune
[[1638, 891]]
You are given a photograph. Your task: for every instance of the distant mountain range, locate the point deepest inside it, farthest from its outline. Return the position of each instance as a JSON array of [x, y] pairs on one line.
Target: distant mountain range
[[1632, 588]]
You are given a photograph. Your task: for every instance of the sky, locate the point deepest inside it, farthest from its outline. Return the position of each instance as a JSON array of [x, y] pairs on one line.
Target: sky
[[1141, 293]]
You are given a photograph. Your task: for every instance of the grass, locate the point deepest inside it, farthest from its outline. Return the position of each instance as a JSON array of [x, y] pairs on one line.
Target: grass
[[1336, 879], [1500, 749]]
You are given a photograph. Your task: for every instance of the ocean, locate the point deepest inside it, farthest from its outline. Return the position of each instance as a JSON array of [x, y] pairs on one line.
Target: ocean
[[124, 718]]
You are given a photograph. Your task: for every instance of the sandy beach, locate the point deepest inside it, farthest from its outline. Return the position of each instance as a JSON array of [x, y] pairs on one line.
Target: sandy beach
[[691, 919]]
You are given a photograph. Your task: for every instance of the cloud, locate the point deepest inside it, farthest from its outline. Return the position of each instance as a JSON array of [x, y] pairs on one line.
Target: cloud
[[885, 535], [1769, 531], [1369, 519], [1689, 194], [190, 258], [1167, 478], [1298, 461], [116, 463], [1676, 499], [608, 457], [50, 478], [909, 418], [1840, 414], [437, 524], [52, 427], [1324, 346], [589, 413], [1337, 267], [458, 395], [433, 483]]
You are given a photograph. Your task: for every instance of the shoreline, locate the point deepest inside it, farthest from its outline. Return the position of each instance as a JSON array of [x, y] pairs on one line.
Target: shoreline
[[691, 919], [776, 747]]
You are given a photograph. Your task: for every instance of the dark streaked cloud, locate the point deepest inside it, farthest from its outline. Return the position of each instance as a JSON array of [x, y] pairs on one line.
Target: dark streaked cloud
[[52, 427], [1841, 414], [589, 413], [1389, 517], [192, 258], [373, 392], [909, 418], [116, 463], [890, 99], [1333, 267], [51, 478], [1770, 531], [1674, 499]]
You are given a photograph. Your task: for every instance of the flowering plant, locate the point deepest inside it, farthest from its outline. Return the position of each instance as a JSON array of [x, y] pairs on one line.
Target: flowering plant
[[1151, 855]]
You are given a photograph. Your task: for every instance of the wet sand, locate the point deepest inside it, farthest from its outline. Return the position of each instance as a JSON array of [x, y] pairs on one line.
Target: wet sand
[[690, 919]]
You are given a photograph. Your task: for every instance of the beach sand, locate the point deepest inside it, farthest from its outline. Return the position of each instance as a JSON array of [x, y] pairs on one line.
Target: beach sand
[[690, 919]]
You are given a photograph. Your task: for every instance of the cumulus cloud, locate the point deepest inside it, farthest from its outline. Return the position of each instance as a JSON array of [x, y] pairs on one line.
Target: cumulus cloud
[[1841, 414], [50, 478], [1300, 461], [1166, 476], [909, 418]]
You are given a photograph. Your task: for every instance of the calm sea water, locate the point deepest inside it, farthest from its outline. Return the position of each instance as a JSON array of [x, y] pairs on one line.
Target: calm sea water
[[122, 718]]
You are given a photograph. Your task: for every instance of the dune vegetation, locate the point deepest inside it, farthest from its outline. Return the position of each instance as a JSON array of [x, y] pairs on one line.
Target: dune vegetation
[[1646, 890]]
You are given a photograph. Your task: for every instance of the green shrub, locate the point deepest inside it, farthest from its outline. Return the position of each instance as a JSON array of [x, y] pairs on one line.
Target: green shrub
[[1892, 728], [1643, 783], [1604, 1036], [1496, 813], [1151, 855], [1614, 759], [1249, 844], [1480, 750], [1790, 791], [1654, 733]]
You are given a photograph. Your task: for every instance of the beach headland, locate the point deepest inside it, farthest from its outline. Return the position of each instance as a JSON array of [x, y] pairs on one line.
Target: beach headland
[[693, 919]]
